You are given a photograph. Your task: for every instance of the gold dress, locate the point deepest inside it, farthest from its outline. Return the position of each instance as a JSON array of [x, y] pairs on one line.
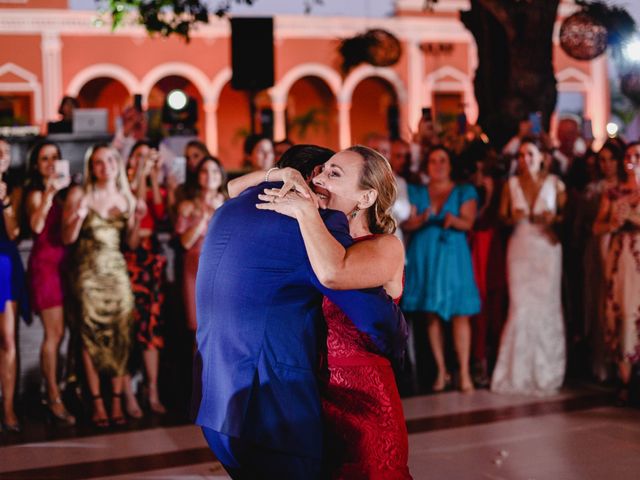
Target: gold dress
[[104, 292]]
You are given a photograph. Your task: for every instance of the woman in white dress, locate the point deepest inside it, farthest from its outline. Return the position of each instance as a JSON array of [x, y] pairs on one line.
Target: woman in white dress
[[532, 354]]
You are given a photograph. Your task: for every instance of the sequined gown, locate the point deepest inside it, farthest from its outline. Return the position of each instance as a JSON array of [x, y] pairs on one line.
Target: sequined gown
[[104, 292], [365, 427]]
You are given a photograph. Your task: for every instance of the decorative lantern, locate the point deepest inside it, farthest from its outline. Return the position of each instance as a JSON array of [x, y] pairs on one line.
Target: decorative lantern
[[384, 48], [377, 47], [583, 37]]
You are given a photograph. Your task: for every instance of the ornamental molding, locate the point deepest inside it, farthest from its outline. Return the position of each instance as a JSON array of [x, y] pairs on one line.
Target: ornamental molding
[[30, 84], [574, 77], [69, 22]]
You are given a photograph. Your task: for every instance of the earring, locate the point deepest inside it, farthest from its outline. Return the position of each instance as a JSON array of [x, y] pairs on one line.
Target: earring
[[354, 213]]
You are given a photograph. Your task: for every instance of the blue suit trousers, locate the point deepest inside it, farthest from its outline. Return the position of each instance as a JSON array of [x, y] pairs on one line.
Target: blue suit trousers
[[246, 461]]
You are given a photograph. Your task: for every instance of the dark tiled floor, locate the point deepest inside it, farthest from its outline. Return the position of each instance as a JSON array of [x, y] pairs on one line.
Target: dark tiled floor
[[573, 435]]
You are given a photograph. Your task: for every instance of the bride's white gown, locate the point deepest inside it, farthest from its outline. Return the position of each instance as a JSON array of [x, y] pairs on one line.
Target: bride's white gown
[[532, 349]]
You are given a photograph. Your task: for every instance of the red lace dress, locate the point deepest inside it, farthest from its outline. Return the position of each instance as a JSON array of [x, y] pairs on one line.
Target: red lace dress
[[365, 426]]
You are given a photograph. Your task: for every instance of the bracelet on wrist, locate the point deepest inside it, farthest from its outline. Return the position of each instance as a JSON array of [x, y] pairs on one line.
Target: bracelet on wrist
[[266, 176]]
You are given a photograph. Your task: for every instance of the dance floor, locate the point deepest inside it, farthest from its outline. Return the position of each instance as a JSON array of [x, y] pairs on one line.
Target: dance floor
[[573, 435]]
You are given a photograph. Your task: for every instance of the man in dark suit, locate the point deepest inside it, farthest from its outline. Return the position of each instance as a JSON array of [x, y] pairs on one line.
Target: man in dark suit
[[259, 329]]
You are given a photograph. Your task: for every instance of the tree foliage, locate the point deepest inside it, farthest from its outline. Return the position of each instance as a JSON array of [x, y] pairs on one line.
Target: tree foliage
[[174, 17]]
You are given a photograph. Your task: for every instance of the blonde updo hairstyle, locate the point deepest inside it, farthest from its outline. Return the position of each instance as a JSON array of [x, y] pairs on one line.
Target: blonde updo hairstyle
[[377, 175]]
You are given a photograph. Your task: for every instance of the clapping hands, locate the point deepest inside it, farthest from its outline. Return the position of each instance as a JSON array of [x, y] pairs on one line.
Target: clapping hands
[[415, 220]]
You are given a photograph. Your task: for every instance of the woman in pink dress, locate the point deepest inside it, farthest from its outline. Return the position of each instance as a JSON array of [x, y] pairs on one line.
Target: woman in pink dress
[[191, 226], [44, 205], [365, 427]]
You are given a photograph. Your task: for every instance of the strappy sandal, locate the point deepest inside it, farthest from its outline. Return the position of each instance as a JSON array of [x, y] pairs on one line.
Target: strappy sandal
[[120, 420], [63, 418], [100, 423]]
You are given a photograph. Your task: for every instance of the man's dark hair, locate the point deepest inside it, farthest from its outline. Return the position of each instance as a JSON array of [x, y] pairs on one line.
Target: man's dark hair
[[305, 158]]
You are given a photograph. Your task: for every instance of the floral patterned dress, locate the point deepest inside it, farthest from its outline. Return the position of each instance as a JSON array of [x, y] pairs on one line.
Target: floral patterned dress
[[623, 283]]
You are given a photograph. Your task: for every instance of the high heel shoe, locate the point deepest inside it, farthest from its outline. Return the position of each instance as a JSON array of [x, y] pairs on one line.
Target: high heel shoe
[[441, 383], [100, 422], [11, 427], [117, 420], [62, 417]]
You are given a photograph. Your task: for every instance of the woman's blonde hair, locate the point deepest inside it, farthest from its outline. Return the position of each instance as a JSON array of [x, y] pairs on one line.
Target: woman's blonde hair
[[377, 175], [122, 183]]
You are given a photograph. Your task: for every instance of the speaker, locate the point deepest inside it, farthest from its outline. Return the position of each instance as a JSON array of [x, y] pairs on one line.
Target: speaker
[[252, 53]]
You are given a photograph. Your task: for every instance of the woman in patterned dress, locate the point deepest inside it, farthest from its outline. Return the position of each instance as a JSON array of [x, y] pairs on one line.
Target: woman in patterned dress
[[146, 266], [619, 216]]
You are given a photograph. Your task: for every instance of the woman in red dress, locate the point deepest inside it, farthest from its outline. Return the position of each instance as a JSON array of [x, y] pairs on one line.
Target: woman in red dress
[[366, 431]]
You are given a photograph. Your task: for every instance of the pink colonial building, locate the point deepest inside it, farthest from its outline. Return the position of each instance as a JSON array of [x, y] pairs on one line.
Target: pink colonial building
[[50, 50]]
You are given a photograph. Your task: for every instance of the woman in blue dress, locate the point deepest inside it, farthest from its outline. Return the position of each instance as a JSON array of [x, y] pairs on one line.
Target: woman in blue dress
[[12, 291], [440, 281]]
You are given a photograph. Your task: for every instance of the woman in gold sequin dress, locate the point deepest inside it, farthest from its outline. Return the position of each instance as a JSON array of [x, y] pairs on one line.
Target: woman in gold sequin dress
[[99, 216]]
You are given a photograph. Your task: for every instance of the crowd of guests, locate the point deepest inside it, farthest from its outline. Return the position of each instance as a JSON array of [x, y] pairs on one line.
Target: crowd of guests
[[97, 266], [525, 253], [529, 253]]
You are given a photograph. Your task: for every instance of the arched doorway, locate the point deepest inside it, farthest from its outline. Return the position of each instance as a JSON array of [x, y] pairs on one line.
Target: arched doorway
[[156, 99], [374, 110], [107, 93], [234, 124], [312, 113]]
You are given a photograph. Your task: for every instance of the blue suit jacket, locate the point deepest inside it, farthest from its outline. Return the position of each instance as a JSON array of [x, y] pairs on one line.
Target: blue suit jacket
[[259, 316]]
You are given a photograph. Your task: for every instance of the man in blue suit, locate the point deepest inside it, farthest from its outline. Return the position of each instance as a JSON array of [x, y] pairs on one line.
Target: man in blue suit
[[259, 330]]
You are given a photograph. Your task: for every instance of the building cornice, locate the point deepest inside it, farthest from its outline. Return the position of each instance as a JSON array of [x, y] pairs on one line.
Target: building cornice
[[67, 22]]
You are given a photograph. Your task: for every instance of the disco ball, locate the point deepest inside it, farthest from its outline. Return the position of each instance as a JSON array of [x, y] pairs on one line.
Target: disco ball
[[583, 37]]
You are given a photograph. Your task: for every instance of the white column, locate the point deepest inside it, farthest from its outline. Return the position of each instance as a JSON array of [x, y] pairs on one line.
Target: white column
[[344, 123], [415, 100], [51, 47], [279, 120], [211, 126], [598, 100], [471, 107]]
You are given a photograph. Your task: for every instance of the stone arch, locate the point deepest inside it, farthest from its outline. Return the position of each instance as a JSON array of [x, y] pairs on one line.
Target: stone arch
[[108, 70], [280, 91], [185, 70], [365, 71]]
